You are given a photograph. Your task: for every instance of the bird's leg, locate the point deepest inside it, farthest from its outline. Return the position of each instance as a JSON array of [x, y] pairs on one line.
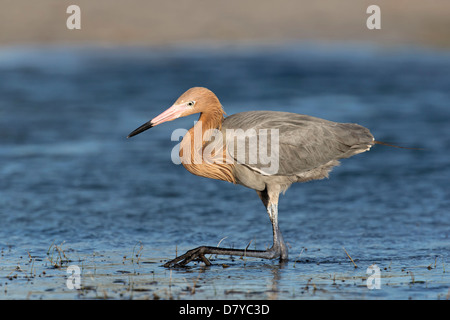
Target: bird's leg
[[269, 198], [278, 249], [278, 242]]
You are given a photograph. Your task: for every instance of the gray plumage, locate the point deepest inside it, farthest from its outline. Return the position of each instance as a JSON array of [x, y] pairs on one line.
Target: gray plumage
[[309, 147]]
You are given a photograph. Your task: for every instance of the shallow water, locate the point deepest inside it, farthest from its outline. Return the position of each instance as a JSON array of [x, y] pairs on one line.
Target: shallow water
[[75, 191]]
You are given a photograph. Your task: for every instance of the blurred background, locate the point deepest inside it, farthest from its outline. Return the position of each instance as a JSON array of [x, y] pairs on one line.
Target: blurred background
[[158, 22], [69, 98]]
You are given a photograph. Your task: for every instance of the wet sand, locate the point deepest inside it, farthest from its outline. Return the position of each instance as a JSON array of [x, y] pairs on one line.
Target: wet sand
[[133, 274]]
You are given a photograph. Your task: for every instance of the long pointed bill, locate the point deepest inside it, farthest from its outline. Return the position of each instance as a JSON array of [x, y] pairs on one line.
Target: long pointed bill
[[142, 128], [170, 114]]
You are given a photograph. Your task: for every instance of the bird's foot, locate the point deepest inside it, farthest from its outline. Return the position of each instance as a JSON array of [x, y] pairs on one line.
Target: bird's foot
[[194, 254], [199, 254]]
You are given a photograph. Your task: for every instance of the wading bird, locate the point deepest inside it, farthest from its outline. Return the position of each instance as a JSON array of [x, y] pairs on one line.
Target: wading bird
[[306, 148]]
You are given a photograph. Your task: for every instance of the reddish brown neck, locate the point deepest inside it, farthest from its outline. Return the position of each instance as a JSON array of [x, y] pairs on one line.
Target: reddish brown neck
[[212, 119], [191, 143]]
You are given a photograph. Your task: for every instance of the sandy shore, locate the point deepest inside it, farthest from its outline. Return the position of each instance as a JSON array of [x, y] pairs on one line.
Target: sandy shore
[[157, 22]]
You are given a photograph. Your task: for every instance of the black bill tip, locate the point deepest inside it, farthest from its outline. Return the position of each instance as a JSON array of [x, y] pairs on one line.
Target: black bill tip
[[142, 128]]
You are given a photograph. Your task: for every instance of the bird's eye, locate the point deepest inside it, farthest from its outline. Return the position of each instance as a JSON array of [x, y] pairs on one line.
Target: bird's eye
[[190, 103]]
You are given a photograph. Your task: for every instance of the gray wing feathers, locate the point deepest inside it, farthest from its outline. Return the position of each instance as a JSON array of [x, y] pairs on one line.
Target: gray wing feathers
[[305, 142]]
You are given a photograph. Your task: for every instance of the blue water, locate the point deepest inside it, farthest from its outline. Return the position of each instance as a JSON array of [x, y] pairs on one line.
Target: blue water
[[69, 176]]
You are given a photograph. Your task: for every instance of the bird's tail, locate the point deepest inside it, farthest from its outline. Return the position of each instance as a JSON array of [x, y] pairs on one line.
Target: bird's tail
[[392, 145]]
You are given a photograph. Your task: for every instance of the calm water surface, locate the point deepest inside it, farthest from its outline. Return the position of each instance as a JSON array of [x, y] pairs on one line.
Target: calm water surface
[[75, 191]]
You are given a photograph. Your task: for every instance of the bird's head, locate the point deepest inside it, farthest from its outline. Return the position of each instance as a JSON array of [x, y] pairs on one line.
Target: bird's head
[[195, 100]]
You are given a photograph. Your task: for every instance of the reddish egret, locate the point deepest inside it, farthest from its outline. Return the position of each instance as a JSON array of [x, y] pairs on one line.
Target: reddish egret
[[307, 148]]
